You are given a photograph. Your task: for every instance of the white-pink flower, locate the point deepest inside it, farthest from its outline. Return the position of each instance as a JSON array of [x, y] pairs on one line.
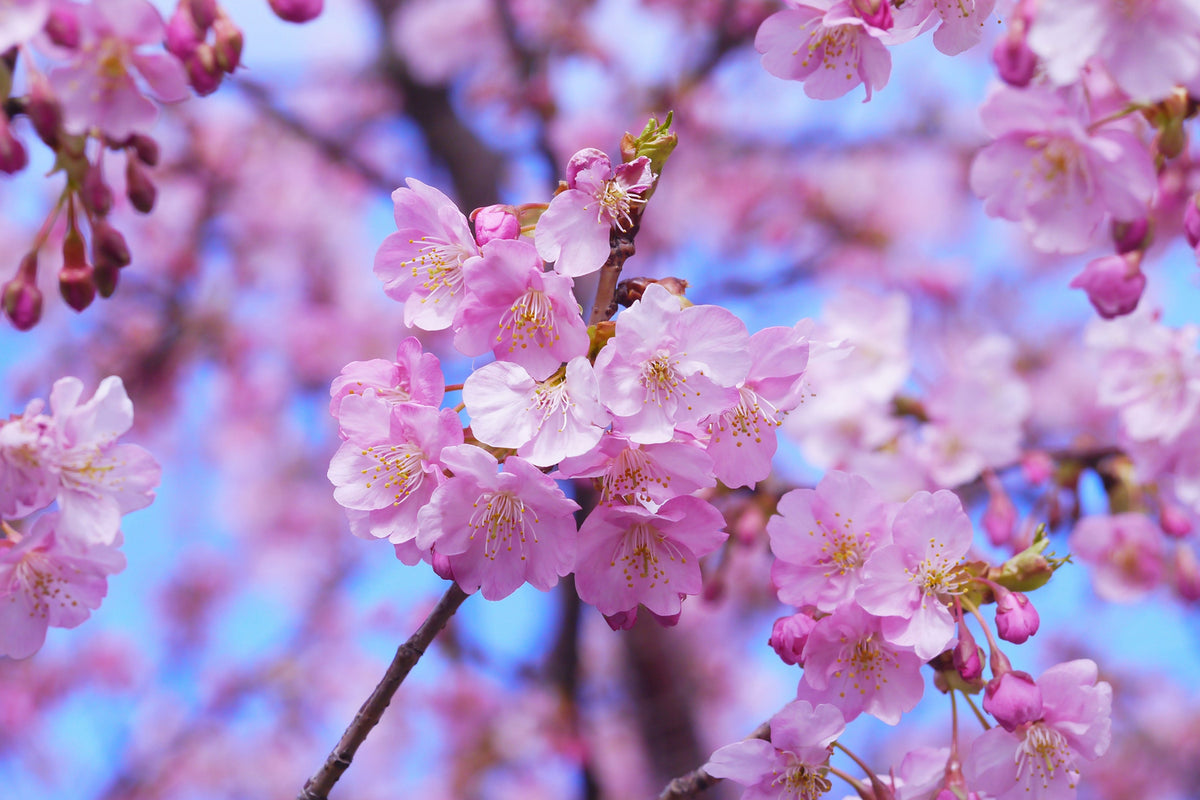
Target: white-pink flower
[[822, 538], [825, 44], [414, 377], [1148, 46], [910, 581], [962, 24], [650, 474], [670, 367], [793, 764], [49, 580], [574, 231], [1049, 169], [98, 89], [1125, 552], [388, 466], [1040, 760], [421, 264], [630, 555], [28, 462], [519, 312], [499, 530], [546, 421]]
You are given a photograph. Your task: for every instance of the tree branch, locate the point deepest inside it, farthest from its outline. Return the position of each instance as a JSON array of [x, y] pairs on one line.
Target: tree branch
[[318, 786], [698, 780]]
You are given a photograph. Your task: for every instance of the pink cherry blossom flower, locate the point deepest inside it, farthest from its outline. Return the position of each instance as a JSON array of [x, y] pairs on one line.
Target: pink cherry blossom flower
[[1040, 760], [421, 264], [519, 312], [848, 663], [822, 538], [670, 367], [545, 421], [99, 479], [1125, 551], [388, 466], [1147, 47], [414, 377], [574, 231], [793, 764], [499, 530], [49, 580], [789, 635], [911, 580], [650, 474], [962, 24], [97, 89], [28, 462], [1053, 173], [630, 554], [825, 44], [743, 438], [20, 21]]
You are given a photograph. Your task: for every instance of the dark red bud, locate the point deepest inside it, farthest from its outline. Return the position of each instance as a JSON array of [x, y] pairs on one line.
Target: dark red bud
[[183, 34], [138, 187], [13, 157], [108, 246], [296, 10], [203, 11], [105, 277], [75, 278], [44, 111], [22, 299], [145, 147], [204, 75], [95, 192]]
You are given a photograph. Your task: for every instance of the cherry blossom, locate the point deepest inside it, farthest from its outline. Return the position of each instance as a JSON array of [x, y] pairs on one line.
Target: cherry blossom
[[414, 377], [1126, 552], [650, 474], [20, 21], [574, 231]]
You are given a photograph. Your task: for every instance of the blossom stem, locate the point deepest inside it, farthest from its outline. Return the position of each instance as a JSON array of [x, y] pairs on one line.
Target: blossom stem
[[978, 714], [859, 786], [407, 655], [454, 387], [698, 780], [870, 773]]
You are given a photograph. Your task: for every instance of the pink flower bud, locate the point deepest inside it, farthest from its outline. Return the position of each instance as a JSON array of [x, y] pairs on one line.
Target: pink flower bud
[[1131, 236], [1191, 221], [204, 74], [75, 281], [63, 26], [1187, 573], [1016, 618], [228, 44], [296, 10], [22, 299], [105, 276], [968, 656], [495, 222], [145, 147], [999, 518], [1015, 62], [108, 247], [789, 635], [203, 11], [1013, 698], [44, 111], [876, 13], [138, 186], [95, 193], [1173, 520], [1114, 284], [12, 153], [183, 34]]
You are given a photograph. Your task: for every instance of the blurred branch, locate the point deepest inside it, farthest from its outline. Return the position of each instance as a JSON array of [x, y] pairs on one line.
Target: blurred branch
[[698, 780], [407, 655]]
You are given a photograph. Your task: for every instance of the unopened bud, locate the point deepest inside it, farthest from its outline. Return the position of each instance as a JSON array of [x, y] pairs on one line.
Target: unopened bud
[[1015, 62], [63, 26], [13, 157], [789, 635], [999, 518], [22, 299], [1174, 520], [43, 109], [1131, 236], [1016, 618], [968, 656], [203, 11], [183, 35], [655, 142], [1191, 221], [228, 43], [204, 75], [495, 222], [876, 13], [108, 246], [1186, 573], [296, 10], [145, 148], [95, 192], [138, 187], [1013, 698], [75, 278], [105, 277], [1114, 284]]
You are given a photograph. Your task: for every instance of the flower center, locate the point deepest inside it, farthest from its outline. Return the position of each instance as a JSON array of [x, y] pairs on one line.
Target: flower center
[[802, 782], [630, 473], [439, 266], [529, 319], [662, 382], [747, 419], [1042, 753], [500, 517], [399, 466], [615, 203], [639, 552]]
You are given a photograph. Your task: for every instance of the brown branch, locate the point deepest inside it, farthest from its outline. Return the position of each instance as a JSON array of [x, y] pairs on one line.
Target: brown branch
[[698, 780], [620, 244], [318, 786]]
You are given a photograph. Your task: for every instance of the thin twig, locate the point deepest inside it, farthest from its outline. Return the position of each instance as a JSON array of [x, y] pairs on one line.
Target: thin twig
[[318, 786], [698, 780]]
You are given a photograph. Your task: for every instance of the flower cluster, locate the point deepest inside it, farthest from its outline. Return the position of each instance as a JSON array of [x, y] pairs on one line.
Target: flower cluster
[[667, 399], [55, 562]]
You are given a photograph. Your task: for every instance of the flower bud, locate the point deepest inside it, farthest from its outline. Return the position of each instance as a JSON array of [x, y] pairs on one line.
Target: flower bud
[[75, 281], [138, 187], [789, 635], [876, 13], [1016, 618], [105, 276], [999, 518], [228, 44], [1015, 62], [495, 222], [1037, 466], [43, 109], [145, 148], [203, 11], [1191, 221], [22, 299], [1013, 698], [63, 26], [183, 35], [1186, 571], [204, 74], [296, 10], [968, 656], [108, 246], [1114, 284], [1131, 236], [95, 193], [1173, 520], [12, 153]]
